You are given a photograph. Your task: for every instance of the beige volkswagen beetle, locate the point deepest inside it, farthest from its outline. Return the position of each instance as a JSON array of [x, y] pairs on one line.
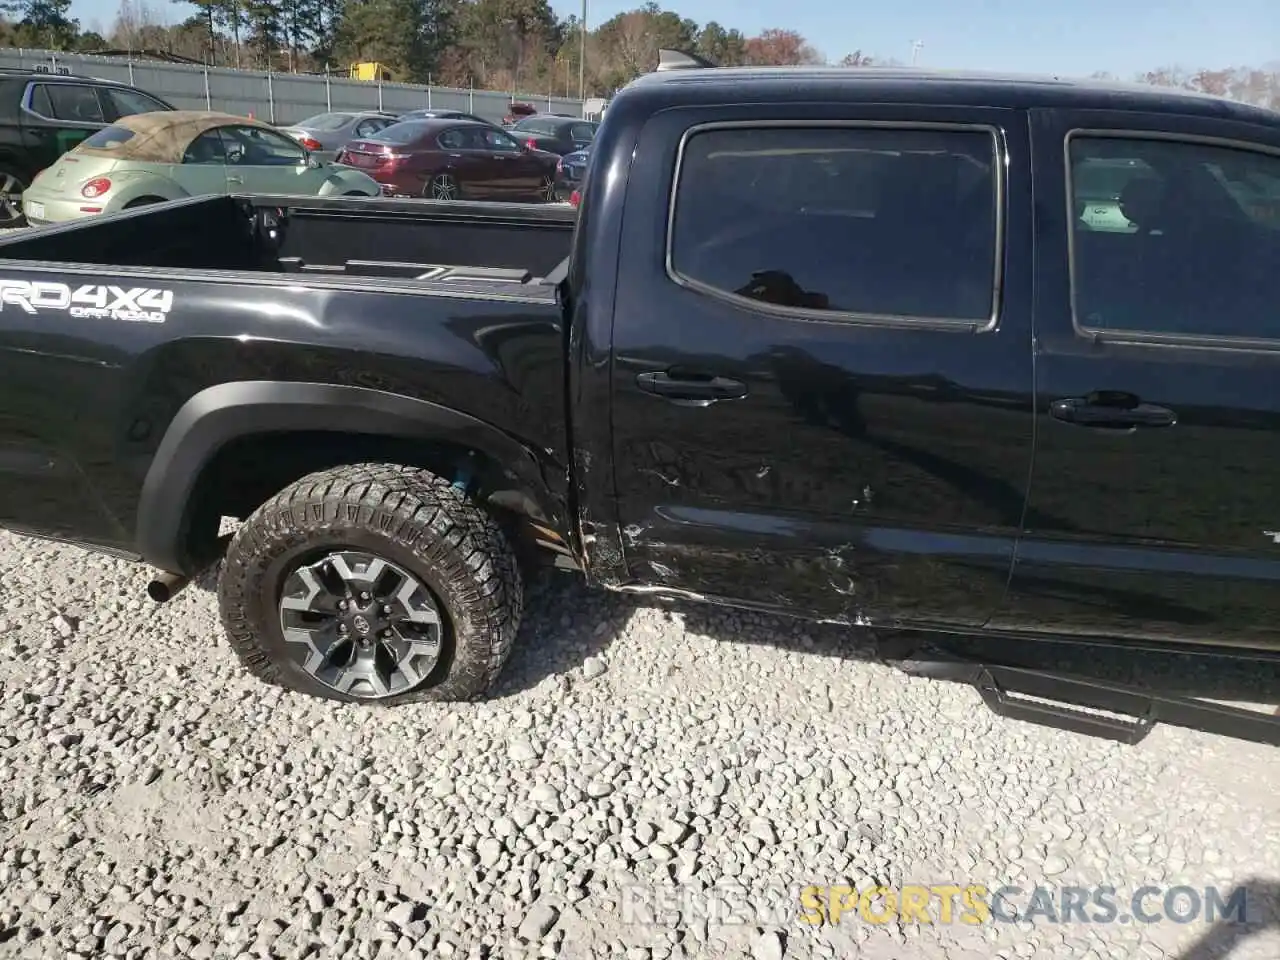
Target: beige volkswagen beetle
[[168, 155]]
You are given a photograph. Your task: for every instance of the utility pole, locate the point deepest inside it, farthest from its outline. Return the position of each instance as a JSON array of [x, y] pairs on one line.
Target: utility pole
[[915, 50], [582, 54]]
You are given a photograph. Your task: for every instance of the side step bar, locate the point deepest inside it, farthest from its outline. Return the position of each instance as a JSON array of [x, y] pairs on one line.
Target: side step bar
[[1142, 708]]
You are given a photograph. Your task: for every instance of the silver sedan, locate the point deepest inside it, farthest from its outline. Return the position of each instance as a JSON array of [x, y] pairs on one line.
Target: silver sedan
[[326, 133]]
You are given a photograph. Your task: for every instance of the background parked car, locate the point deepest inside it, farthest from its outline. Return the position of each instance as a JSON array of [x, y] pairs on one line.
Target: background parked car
[[44, 115], [153, 157], [570, 170], [517, 111], [555, 134], [433, 114], [323, 134], [453, 160]]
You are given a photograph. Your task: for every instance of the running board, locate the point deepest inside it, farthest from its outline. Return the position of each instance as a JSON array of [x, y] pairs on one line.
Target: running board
[[1141, 709]]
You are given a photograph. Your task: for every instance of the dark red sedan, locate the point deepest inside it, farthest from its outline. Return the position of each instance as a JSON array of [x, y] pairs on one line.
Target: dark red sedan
[[453, 160]]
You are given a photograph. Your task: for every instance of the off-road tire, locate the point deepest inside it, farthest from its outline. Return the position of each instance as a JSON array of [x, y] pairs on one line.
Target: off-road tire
[[411, 518]]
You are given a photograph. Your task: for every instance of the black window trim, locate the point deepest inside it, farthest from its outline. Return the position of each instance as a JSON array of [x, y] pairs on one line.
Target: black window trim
[[1096, 335], [87, 124], [1000, 160]]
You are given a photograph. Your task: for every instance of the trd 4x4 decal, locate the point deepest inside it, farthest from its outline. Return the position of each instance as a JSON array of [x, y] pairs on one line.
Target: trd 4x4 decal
[[91, 301]]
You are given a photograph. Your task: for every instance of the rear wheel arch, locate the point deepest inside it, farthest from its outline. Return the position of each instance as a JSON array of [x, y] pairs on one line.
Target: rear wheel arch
[[142, 201], [309, 426], [155, 190]]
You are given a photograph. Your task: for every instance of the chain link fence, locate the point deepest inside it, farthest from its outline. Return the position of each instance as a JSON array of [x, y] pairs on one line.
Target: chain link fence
[[276, 97]]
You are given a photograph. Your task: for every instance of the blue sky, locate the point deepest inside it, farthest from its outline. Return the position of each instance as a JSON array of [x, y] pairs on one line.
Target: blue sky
[[1037, 36]]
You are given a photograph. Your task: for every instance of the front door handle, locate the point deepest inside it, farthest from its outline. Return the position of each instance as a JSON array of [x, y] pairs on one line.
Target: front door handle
[[1110, 410], [691, 389]]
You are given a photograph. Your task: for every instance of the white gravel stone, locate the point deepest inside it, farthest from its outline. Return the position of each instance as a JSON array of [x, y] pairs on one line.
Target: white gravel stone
[[767, 946], [148, 784], [538, 921], [1054, 865]]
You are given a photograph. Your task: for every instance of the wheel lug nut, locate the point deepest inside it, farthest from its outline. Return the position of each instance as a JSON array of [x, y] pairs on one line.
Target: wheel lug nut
[[387, 610], [364, 596]]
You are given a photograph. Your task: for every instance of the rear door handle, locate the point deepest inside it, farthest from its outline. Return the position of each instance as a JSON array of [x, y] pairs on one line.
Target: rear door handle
[[692, 390], [1111, 411]]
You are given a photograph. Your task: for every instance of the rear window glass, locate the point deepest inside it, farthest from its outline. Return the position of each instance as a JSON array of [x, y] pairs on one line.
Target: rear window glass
[[546, 127], [402, 132], [894, 223], [108, 138], [326, 121]]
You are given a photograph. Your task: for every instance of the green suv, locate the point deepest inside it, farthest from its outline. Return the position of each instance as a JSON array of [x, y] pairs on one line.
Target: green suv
[[43, 115]]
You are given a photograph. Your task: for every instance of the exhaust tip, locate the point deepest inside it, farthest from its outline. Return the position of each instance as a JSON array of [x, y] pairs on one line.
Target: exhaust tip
[[166, 586]]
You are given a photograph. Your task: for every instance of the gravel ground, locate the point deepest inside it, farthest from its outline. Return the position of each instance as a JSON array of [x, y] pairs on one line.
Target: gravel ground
[[158, 803]]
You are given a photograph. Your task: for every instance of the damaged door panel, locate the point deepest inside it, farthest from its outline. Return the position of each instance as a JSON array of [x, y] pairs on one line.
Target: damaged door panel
[[818, 407]]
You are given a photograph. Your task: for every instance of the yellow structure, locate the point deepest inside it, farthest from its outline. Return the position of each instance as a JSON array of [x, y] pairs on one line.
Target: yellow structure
[[371, 71]]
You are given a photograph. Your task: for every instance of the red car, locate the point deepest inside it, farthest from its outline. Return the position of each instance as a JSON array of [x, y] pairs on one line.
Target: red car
[[453, 160], [518, 111]]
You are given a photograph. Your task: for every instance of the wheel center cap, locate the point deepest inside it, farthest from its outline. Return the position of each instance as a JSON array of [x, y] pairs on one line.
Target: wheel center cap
[[361, 624]]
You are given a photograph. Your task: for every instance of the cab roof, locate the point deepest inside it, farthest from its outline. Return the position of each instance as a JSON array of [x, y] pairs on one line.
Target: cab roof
[[904, 84]]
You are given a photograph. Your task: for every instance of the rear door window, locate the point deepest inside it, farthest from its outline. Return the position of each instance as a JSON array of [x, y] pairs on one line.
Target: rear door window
[[73, 102], [453, 140], [868, 222]]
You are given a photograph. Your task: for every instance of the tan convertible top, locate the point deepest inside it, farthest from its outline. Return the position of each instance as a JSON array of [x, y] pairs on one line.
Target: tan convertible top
[[163, 136]]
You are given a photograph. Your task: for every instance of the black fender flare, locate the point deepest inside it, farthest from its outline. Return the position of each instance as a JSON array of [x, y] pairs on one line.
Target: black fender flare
[[229, 411]]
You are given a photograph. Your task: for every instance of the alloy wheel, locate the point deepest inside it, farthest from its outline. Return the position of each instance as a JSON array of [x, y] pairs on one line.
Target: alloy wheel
[[361, 625], [11, 189], [444, 187]]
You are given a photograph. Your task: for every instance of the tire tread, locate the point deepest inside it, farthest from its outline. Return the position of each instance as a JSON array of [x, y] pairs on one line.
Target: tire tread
[[449, 533]]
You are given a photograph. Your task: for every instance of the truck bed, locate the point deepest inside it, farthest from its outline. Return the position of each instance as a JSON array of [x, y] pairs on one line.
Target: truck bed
[[125, 319], [465, 248]]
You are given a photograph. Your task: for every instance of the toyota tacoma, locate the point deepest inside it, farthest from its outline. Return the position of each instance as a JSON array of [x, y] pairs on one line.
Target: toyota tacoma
[[850, 345]]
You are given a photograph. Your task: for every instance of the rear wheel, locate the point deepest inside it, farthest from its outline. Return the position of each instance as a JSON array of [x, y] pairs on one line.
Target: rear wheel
[[12, 186], [142, 202], [372, 583], [444, 186], [547, 192]]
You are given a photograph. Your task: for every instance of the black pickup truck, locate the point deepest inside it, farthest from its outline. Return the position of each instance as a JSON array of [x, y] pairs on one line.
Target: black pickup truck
[[960, 354]]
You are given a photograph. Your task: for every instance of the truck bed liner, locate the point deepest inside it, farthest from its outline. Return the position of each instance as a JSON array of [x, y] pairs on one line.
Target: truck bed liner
[[341, 237]]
